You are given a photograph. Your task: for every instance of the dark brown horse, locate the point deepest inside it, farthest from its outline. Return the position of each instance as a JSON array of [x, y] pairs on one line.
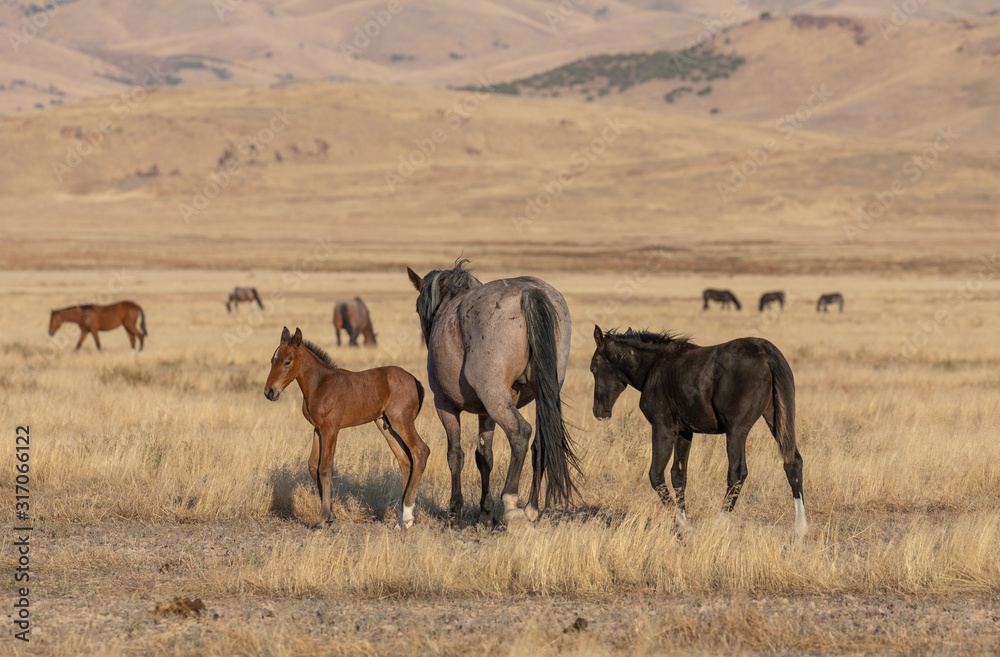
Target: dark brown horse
[[491, 349], [335, 399], [93, 318], [772, 297], [242, 294], [830, 299], [352, 316], [687, 389], [725, 297]]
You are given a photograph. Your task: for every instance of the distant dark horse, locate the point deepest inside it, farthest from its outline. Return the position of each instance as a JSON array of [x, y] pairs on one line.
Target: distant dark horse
[[491, 349], [724, 296], [687, 389], [829, 299], [352, 316], [92, 318], [771, 297], [242, 294]]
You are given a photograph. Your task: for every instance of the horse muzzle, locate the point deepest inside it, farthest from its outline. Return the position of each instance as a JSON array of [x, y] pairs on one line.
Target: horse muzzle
[[51, 333], [272, 394]]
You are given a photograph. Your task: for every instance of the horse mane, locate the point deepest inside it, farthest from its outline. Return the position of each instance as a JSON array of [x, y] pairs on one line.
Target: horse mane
[[319, 353], [439, 284], [646, 338]]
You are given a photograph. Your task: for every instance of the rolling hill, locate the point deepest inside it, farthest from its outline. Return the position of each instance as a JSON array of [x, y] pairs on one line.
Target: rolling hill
[[82, 48]]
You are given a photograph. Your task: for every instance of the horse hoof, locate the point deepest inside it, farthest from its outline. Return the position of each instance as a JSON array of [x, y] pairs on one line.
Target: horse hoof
[[514, 519], [531, 513]]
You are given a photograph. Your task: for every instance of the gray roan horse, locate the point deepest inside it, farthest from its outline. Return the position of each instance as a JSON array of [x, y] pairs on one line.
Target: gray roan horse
[[685, 388], [491, 349]]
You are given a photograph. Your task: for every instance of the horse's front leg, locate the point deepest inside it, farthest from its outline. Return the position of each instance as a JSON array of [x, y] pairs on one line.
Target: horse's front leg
[[324, 472], [484, 461], [678, 471], [449, 416], [97, 340], [83, 336], [664, 439], [314, 462]]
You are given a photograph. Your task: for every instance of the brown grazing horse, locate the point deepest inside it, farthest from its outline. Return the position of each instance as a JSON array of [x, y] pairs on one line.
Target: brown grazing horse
[[772, 297], [352, 316], [830, 299], [92, 319], [687, 389], [723, 296], [335, 399], [242, 294], [491, 349]]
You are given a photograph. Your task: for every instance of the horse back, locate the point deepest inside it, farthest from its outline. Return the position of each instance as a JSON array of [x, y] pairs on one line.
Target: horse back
[[710, 389], [480, 340]]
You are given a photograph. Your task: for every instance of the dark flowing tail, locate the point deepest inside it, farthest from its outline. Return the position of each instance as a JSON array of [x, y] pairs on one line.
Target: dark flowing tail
[[555, 451], [783, 389], [345, 320], [142, 321]]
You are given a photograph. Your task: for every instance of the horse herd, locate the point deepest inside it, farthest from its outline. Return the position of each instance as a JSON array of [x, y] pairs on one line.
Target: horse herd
[[494, 347], [725, 297]]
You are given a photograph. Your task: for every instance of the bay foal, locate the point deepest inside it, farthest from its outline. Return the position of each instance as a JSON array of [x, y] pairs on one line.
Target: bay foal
[[335, 399]]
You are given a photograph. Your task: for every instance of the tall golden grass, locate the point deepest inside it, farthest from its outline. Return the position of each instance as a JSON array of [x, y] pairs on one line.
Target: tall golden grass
[[902, 454]]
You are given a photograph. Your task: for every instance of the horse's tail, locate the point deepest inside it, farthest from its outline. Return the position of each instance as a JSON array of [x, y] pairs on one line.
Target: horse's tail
[[420, 394], [555, 451], [783, 391], [142, 321], [346, 320], [256, 297]]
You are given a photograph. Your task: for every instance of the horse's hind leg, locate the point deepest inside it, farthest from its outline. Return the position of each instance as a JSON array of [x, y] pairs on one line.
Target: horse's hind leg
[[484, 461], [97, 340], [501, 408], [83, 336], [736, 449], [409, 470], [449, 417]]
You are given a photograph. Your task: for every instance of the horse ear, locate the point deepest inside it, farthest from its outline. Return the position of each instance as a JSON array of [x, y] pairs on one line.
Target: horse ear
[[297, 338], [598, 336], [415, 279], [285, 335]]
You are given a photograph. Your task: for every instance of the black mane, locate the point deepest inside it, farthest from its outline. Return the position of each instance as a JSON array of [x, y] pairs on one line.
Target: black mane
[[439, 284], [319, 353], [646, 338]]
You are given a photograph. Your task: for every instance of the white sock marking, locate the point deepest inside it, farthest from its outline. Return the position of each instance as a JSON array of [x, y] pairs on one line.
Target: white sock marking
[[801, 526]]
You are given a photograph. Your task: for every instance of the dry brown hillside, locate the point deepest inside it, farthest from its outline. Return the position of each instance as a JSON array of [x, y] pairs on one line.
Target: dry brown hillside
[[81, 48], [184, 177]]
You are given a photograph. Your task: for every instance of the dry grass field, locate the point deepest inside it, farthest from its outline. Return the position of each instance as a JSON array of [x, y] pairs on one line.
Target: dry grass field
[[169, 474]]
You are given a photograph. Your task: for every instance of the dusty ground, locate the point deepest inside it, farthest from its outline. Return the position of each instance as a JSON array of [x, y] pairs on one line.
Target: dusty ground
[[110, 610]]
